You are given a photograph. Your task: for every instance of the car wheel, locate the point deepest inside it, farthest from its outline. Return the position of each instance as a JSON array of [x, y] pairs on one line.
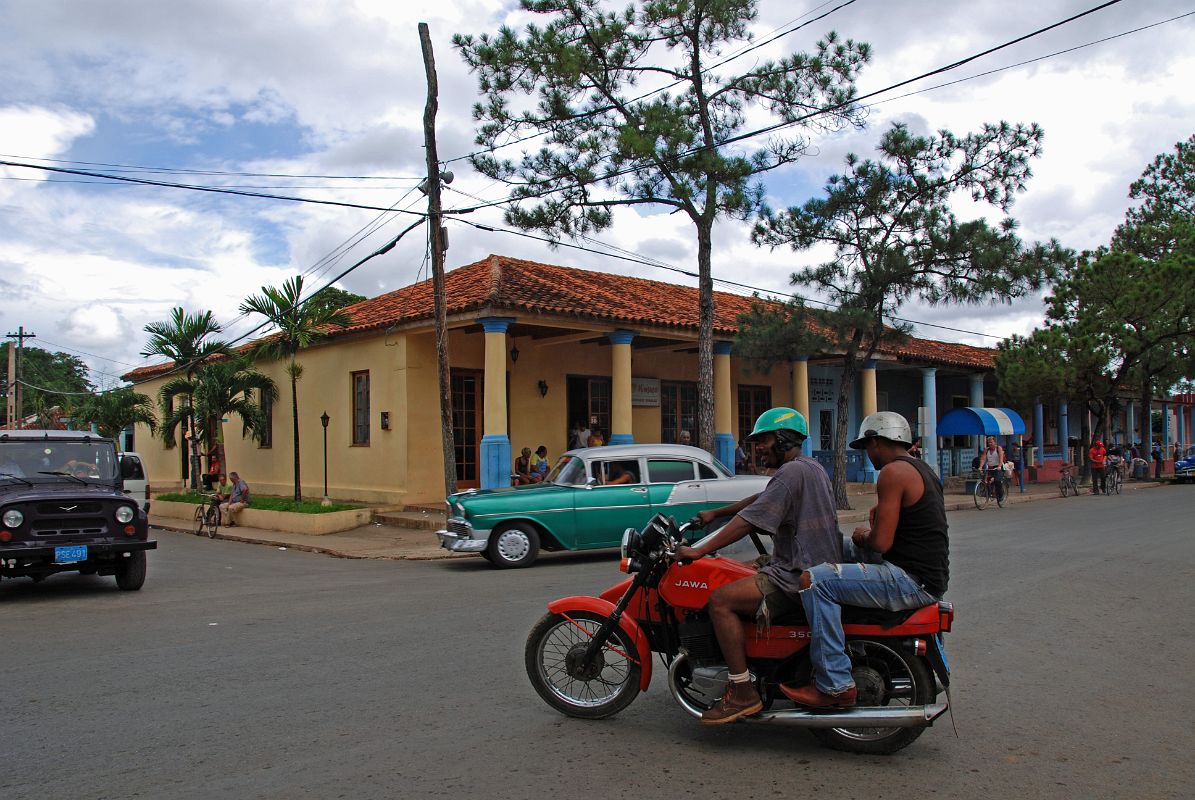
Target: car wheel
[[130, 575], [513, 546]]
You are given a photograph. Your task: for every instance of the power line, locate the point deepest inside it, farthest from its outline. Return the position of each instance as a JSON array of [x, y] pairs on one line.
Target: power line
[[603, 109], [805, 117], [689, 273], [184, 171], [198, 188]]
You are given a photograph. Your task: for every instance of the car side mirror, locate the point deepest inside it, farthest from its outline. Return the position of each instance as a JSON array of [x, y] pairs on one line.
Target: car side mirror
[[591, 482]]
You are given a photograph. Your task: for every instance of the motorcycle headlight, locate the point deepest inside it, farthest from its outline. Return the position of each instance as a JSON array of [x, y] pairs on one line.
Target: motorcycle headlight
[[125, 514], [626, 542], [13, 518]]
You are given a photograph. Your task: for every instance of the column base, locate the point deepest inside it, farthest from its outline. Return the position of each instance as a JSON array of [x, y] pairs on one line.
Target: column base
[[868, 472], [724, 449], [621, 438], [496, 463]]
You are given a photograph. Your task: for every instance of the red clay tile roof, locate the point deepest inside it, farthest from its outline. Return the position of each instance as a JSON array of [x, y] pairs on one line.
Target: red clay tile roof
[[504, 284]]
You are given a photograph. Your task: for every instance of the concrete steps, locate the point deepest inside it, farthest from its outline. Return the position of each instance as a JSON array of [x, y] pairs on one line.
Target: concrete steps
[[421, 519]]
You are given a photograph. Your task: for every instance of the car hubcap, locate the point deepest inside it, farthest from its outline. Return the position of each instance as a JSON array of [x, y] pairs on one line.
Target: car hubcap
[[513, 545]]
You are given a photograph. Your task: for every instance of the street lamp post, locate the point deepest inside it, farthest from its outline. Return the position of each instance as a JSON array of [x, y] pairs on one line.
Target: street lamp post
[[324, 419]]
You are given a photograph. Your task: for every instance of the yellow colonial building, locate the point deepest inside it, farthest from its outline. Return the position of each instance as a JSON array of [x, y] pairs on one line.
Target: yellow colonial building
[[538, 351]]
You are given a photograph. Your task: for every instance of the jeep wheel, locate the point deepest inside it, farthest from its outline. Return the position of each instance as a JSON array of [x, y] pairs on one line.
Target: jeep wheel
[[130, 575]]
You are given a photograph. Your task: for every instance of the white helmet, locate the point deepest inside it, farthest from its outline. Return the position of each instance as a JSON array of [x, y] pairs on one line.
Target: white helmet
[[886, 425]]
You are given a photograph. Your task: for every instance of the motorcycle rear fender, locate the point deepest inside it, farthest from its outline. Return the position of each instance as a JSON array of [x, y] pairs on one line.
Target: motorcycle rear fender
[[596, 605]]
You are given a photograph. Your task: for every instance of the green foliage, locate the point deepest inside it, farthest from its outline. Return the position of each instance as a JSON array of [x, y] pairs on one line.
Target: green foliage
[[185, 339], [297, 325], [215, 390], [1164, 222], [262, 503], [897, 239], [113, 411], [331, 298], [56, 372], [606, 142]]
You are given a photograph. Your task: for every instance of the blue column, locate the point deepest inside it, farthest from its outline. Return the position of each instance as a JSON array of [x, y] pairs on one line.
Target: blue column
[[495, 444], [1064, 430], [1165, 431], [929, 437], [723, 418], [977, 402], [1039, 434]]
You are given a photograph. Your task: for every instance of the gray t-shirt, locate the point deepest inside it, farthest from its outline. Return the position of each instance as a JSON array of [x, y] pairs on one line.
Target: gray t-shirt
[[797, 508]]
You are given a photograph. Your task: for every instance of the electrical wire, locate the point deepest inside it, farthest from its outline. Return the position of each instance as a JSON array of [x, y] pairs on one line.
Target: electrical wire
[[805, 117], [689, 273], [183, 171], [199, 188], [602, 110]]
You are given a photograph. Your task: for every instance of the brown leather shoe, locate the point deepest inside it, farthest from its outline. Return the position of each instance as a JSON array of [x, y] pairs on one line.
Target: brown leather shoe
[[740, 700], [814, 697]]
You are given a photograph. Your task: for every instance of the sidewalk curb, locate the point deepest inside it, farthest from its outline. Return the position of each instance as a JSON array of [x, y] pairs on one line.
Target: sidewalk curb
[[311, 548]]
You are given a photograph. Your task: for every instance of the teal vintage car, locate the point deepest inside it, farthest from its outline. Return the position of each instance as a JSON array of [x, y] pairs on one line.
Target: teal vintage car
[[588, 499]]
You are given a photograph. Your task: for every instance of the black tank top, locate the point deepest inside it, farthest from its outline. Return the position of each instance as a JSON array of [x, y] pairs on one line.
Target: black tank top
[[921, 546]]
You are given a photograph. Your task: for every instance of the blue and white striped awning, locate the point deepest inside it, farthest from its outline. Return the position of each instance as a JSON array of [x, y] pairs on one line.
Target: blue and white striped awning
[[976, 421]]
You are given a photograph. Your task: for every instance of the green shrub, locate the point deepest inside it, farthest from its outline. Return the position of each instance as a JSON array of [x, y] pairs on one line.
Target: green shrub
[[261, 502]]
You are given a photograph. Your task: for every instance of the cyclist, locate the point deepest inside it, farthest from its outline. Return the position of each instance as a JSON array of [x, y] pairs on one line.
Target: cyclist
[[1098, 456], [991, 466]]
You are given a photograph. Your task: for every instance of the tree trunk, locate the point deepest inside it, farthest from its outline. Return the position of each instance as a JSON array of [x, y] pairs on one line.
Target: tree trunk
[[294, 404], [1145, 424], [705, 336], [850, 369], [195, 466]]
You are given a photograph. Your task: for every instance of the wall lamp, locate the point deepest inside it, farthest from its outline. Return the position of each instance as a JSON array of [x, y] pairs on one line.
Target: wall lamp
[[543, 388], [514, 353]]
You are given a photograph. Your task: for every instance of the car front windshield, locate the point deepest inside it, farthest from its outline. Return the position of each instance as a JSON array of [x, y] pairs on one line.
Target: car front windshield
[[57, 460], [569, 471]]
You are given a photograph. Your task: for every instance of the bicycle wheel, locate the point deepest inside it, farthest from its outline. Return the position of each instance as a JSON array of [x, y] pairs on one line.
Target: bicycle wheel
[[1001, 491], [982, 495], [1114, 483], [1064, 486], [212, 521], [199, 521]]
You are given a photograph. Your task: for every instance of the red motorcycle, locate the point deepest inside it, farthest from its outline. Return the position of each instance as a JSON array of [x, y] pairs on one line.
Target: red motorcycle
[[589, 657]]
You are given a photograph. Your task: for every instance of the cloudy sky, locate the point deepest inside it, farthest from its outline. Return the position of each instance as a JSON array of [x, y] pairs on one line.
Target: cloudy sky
[[294, 98]]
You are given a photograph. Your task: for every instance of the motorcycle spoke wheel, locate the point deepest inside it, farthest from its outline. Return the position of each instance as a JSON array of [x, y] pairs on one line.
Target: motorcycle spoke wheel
[[554, 660], [883, 677]]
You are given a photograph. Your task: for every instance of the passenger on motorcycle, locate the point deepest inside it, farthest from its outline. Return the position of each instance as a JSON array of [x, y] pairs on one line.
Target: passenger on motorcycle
[[902, 560], [797, 509]]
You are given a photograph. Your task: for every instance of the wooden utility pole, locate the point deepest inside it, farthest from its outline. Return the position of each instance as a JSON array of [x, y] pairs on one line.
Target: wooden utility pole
[[15, 411], [438, 247]]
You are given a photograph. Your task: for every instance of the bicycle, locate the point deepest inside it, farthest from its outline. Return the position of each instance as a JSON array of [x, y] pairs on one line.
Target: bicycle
[[1113, 477], [986, 490], [207, 517], [1066, 481]]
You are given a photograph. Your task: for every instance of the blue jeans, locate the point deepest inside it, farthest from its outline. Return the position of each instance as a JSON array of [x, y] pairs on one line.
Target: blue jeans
[[870, 582]]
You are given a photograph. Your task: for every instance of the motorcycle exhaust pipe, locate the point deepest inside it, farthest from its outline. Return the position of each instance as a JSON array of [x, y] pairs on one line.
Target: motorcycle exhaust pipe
[[858, 717]]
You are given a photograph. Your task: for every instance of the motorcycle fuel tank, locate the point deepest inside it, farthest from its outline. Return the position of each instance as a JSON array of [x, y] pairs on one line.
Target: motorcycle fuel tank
[[689, 586]]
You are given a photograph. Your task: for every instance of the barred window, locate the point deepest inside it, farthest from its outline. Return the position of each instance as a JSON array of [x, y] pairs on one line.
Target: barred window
[[361, 407]]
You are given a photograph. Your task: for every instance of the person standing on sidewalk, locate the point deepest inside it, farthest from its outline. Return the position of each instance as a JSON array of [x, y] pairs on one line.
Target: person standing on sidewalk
[[238, 498], [901, 562], [797, 509], [1098, 456]]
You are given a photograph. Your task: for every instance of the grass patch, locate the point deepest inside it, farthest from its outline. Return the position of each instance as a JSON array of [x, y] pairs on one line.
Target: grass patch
[[262, 503]]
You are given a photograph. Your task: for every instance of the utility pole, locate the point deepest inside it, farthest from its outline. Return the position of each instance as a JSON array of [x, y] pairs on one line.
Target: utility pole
[[438, 246], [15, 392]]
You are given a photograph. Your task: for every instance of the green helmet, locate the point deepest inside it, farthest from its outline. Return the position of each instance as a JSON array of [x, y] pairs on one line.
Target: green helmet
[[780, 419]]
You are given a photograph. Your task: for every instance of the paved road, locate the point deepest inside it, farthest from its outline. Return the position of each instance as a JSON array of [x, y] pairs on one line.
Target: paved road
[[243, 671]]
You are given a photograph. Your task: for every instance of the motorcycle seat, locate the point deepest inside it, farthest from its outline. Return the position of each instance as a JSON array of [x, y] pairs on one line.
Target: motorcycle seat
[[851, 615]]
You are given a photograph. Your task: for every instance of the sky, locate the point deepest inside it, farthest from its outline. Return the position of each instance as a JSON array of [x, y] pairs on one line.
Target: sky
[[326, 98]]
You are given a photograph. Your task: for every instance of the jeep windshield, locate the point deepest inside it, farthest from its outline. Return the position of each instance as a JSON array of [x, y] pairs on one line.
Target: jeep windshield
[[57, 460]]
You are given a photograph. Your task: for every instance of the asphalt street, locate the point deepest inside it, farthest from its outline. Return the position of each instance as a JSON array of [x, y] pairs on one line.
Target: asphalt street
[[243, 671]]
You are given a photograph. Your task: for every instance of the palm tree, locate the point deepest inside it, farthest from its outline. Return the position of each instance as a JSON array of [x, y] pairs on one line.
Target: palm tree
[[184, 340], [113, 411], [298, 325], [217, 389]]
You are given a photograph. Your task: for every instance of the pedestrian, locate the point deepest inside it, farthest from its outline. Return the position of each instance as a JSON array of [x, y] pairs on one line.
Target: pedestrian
[[1098, 456], [685, 438], [579, 436], [1156, 455], [539, 463], [238, 498]]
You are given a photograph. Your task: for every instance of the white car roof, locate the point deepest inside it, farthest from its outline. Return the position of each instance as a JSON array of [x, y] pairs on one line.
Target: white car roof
[[641, 450]]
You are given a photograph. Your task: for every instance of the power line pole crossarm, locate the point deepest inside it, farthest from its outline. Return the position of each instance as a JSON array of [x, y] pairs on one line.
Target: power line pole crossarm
[[438, 247], [15, 411]]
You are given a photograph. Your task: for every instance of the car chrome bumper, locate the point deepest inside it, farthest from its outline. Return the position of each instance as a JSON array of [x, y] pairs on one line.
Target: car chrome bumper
[[461, 537]]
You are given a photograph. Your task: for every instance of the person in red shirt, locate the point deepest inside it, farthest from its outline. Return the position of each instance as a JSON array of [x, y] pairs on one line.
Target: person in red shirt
[[1099, 458]]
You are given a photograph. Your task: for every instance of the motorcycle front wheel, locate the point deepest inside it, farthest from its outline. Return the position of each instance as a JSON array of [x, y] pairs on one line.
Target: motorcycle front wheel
[[555, 656], [884, 676]]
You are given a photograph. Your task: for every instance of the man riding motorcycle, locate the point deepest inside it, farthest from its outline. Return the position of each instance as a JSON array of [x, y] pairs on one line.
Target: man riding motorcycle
[[902, 560], [797, 508]]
